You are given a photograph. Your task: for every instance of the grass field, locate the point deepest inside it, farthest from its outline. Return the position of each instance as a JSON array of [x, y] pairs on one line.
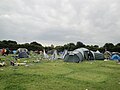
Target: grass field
[[59, 75]]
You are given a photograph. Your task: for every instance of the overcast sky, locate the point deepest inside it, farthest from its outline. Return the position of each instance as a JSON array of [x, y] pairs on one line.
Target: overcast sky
[[60, 21]]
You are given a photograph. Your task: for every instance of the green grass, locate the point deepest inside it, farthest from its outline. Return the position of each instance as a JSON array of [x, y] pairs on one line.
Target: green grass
[[59, 75]]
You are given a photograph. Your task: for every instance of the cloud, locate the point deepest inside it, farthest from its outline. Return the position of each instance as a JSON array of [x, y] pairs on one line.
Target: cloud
[[60, 21]]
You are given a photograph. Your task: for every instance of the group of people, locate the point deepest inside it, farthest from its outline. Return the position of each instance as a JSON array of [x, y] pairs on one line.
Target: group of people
[[5, 51]]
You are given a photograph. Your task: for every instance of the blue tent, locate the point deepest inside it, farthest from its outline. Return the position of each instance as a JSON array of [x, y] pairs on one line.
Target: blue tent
[[14, 51], [115, 57]]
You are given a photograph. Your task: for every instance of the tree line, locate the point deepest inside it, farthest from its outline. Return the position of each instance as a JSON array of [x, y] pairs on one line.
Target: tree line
[[13, 45]]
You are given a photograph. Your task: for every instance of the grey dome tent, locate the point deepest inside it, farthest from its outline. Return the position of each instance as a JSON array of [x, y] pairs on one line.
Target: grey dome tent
[[22, 53], [21, 50], [79, 55], [87, 54], [73, 57], [99, 56]]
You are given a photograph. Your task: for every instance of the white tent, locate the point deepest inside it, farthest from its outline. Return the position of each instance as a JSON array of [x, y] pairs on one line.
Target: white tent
[[82, 50], [22, 50], [85, 52], [97, 51], [63, 54], [45, 55], [54, 55]]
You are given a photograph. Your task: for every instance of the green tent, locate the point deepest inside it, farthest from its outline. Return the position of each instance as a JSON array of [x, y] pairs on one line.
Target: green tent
[[87, 54], [81, 54], [73, 57], [99, 56]]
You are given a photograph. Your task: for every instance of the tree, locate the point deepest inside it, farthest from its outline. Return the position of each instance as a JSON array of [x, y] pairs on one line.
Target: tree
[[48, 48], [117, 45], [35, 43], [109, 46], [8, 44], [12, 42], [79, 45], [91, 47], [35, 46], [71, 46], [117, 48], [59, 48], [52, 46]]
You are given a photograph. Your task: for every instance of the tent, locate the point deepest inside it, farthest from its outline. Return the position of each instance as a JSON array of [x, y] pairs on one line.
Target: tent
[[73, 57], [23, 55], [87, 54], [21, 50], [115, 57], [45, 55], [62, 54], [14, 51], [79, 55], [97, 51], [65, 52], [99, 56], [54, 55], [82, 50]]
